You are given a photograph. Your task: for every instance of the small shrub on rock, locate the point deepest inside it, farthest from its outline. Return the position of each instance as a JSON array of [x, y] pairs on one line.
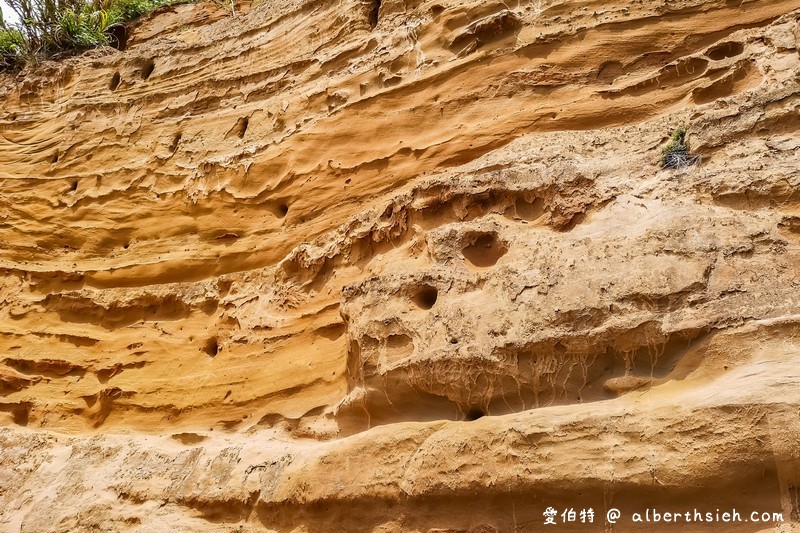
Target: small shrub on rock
[[676, 153]]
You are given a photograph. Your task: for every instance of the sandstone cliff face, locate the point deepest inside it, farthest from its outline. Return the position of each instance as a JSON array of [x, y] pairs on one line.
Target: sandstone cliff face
[[403, 266]]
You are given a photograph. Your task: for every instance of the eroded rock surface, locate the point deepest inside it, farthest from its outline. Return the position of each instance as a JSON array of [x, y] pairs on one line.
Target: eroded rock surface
[[403, 266]]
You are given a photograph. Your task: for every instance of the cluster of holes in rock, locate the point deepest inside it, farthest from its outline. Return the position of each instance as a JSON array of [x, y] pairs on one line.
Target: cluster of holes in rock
[[542, 375]]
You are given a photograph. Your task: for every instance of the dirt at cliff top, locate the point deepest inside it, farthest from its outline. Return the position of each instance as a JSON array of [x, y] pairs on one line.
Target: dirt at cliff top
[[404, 266]]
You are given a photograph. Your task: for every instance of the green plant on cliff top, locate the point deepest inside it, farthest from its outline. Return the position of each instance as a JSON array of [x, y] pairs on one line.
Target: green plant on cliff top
[[83, 29], [53, 27], [12, 45], [128, 10]]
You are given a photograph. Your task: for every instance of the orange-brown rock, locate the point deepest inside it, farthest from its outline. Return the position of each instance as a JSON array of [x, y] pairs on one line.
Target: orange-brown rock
[[404, 266]]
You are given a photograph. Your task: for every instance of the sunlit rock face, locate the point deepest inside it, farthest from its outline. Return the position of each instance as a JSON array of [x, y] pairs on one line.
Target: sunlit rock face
[[403, 266]]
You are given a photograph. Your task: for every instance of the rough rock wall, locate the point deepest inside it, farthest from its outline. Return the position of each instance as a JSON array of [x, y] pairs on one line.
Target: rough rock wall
[[403, 266]]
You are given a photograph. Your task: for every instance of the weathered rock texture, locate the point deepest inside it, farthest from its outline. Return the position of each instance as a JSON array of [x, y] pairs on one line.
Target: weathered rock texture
[[403, 266]]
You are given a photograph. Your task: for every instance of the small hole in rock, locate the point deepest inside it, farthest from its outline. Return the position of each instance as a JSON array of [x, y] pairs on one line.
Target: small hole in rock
[[126, 245], [115, 79], [74, 185], [426, 297], [147, 69], [474, 414], [437, 10], [282, 210], [21, 415], [211, 347], [176, 141], [392, 81], [529, 211], [374, 13], [725, 50], [118, 36], [54, 159], [240, 128], [188, 439], [485, 250]]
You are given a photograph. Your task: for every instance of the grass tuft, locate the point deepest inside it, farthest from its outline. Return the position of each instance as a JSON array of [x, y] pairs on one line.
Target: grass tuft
[[12, 44], [676, 153], [51, 28]]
